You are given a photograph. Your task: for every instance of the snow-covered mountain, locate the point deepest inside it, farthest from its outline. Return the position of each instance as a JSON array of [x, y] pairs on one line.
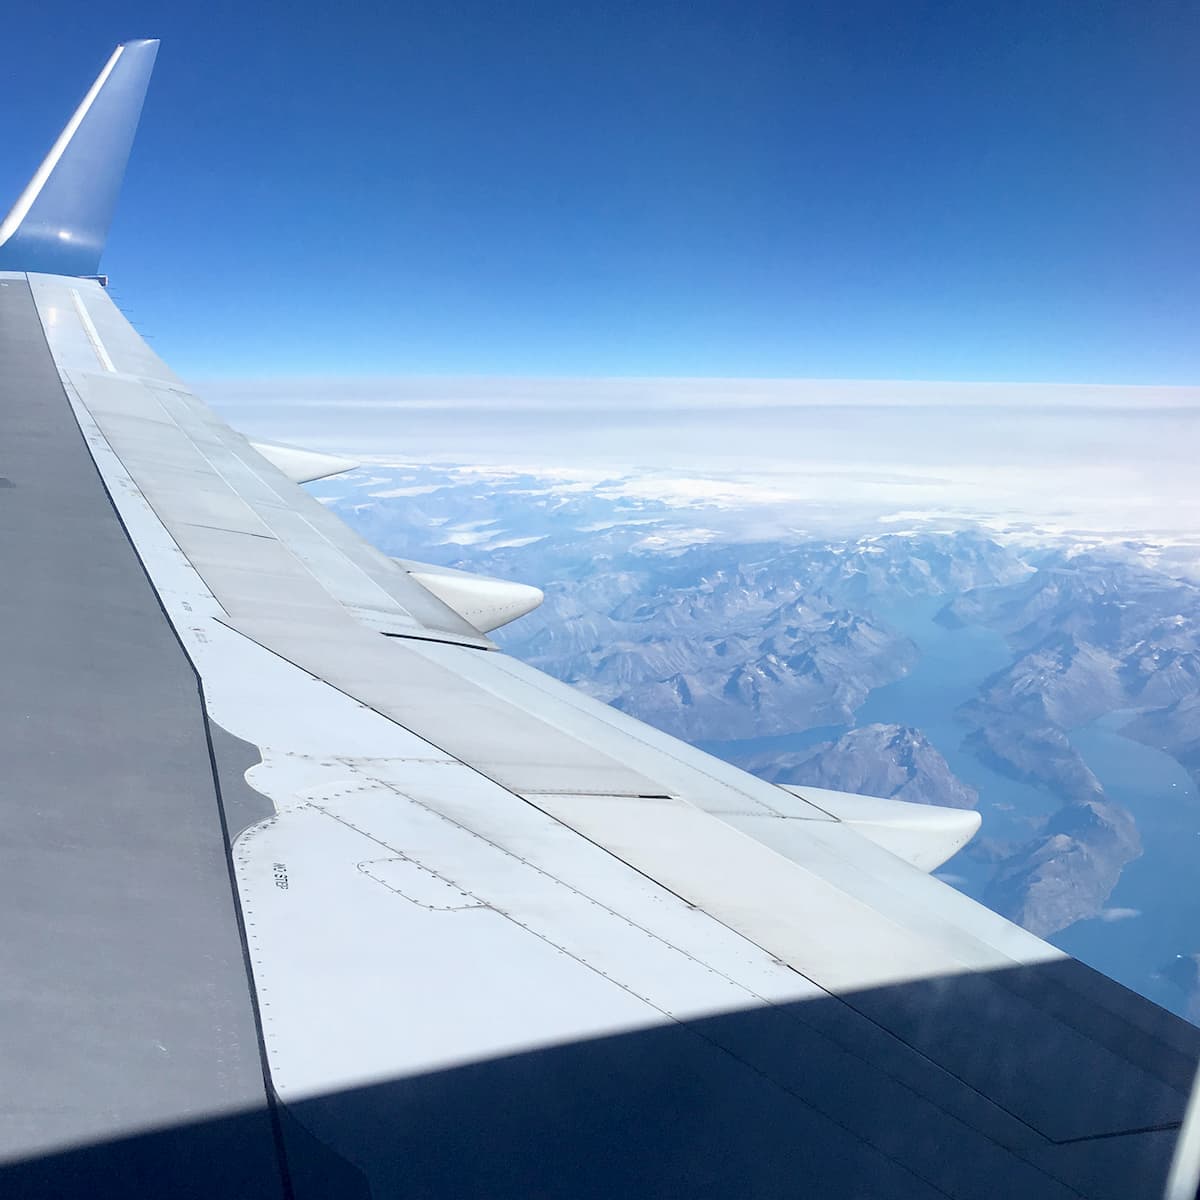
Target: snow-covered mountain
[[873, 760]]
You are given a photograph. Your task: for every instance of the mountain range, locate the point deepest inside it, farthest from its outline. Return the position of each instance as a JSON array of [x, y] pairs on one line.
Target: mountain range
[[728, 641]]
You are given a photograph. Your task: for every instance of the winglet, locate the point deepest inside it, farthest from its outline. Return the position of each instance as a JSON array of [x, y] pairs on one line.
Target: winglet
[[60, 221]]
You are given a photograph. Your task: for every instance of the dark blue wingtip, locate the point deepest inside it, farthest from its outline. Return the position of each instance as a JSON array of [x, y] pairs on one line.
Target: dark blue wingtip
[[60, 222]]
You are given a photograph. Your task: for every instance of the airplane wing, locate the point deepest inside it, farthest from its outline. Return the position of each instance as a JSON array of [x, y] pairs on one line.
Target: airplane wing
[[310, 891]]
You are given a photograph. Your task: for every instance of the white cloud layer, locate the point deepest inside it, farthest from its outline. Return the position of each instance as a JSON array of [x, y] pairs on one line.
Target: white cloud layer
[[1061, 457], [637, 394]]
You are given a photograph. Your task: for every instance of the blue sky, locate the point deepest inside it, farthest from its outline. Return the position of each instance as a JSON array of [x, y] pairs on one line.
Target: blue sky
[[918, 190]]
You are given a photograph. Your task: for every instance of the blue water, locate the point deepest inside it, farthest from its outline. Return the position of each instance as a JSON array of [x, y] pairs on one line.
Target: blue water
[[1160, 890], [1161, 887], [952, 664]]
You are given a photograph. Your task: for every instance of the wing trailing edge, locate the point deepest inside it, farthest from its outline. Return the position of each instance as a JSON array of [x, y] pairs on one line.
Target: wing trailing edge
[[60, 222]]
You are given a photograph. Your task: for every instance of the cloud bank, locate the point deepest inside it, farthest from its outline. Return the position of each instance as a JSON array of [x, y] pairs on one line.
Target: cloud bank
[[1119, 460]]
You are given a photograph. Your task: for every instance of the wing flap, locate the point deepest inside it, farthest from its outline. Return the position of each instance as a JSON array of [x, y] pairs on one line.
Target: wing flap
[[210, 487]]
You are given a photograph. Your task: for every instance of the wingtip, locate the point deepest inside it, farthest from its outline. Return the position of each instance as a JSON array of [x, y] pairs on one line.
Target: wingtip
[[59, 223]]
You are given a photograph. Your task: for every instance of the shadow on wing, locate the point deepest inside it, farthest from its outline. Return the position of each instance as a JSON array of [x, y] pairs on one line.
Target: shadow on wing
[[813, 1098]]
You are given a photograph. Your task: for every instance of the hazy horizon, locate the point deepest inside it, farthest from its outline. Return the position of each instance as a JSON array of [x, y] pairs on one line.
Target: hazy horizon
[[1116, 461]]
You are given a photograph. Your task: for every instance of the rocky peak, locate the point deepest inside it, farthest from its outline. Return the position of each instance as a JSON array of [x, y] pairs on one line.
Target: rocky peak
[[892, 761]]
